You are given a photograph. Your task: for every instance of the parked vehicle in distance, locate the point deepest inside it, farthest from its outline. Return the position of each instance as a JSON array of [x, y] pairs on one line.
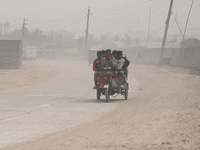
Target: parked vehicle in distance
[[29, 53], [10, 54]]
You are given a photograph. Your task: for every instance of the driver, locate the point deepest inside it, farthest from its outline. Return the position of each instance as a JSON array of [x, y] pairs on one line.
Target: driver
[[108, 61]]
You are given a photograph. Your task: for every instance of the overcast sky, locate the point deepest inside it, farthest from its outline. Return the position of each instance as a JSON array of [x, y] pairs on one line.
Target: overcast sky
[[114, 17]]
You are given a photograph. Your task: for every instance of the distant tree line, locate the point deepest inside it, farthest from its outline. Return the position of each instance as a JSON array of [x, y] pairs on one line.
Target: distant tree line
[[43, 39]]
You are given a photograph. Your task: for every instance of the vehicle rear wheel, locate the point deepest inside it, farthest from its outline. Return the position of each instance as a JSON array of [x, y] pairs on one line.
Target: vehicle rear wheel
[[107, 95], [126, 94], [98, 94]]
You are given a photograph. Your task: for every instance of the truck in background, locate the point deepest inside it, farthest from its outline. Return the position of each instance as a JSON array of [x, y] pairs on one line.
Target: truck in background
[[29, 53], [10, 54]]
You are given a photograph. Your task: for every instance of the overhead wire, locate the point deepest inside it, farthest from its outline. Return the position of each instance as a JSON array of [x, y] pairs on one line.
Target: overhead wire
[[113, 8], [133, 17], [70, 19], [142, 19], [65, 23], [121, 10], [63, 18], [195, 8], [145, 12], [76, 17]]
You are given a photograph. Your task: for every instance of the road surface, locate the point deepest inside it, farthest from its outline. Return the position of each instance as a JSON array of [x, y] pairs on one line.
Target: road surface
[[50, 104]]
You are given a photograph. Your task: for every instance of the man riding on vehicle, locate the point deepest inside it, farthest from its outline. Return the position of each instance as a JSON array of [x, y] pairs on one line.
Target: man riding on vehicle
[[125, 66], [111, 65], [114, 54], [107, 60], [119, 64], [96, 67]]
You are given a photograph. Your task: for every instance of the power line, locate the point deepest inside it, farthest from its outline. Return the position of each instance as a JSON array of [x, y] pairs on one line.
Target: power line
[[178, 24], [128, 9], [63, 18]]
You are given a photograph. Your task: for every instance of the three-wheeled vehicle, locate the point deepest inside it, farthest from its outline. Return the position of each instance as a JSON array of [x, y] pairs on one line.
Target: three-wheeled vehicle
[[109, 85]]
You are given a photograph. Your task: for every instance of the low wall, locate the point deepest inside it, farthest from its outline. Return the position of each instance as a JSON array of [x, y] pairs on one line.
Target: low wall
[[189, 57]]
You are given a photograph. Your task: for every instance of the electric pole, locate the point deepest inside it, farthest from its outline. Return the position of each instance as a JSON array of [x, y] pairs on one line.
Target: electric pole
[[14, 25], [166, 30], [149, 27], [23, 30], [86, 33], [183, 40]]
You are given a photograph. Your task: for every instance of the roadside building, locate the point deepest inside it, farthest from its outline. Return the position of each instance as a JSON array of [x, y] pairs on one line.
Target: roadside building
[[191, 42]]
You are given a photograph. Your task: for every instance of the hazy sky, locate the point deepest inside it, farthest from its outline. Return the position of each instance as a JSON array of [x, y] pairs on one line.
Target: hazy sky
[[107, 16]]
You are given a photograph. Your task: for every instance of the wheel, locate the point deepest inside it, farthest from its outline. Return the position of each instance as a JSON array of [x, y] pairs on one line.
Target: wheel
[[126, 94], [98, 94], [107, 95]]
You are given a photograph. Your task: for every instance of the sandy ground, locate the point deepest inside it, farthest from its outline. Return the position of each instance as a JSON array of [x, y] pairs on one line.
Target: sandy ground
[[29, 74], [163, 112]]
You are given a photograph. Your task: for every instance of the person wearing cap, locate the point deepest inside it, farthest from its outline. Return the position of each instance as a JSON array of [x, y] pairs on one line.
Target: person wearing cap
[[96, 67]]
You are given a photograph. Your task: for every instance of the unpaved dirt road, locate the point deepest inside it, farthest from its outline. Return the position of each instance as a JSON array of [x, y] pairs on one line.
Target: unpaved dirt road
[[50, 105]]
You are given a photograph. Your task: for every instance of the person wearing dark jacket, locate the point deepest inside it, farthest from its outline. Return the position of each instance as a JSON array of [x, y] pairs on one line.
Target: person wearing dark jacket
[[96, 67], [125, 66]]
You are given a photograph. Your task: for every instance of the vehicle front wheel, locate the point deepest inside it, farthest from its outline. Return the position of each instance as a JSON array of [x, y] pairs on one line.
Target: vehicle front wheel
[[107, 95], [98, 94], [126, 94]]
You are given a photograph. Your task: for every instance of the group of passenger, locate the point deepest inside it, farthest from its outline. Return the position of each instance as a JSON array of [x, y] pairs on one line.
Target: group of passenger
[[114, 59]]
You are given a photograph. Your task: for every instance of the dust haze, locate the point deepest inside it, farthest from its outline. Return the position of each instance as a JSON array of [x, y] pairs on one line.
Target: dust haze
[[47, 100]]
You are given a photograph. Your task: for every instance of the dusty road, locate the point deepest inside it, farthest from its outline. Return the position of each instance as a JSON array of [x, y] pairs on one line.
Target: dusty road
[[50, 105]]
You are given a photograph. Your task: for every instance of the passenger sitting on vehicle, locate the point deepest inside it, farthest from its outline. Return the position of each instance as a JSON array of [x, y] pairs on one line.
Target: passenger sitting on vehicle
[[125, 66], [119, 64], [114, 53], [108, 51], [103, 53], [96, 67], [108, 61]]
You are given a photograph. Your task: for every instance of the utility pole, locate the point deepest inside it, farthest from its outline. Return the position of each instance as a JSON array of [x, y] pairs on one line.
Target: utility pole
[[149, 27], [23, 30], [183, 40], [188, 19], [14, 25], [86, 33], [166, 30]]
